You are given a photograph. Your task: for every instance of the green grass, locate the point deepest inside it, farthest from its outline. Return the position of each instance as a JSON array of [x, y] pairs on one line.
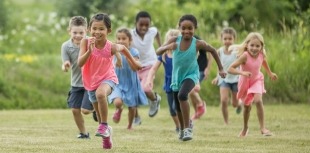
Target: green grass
[[48, 131]]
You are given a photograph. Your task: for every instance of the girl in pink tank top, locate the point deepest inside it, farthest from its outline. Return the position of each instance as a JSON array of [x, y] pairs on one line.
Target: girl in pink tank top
[[251, 80], [99, 78]]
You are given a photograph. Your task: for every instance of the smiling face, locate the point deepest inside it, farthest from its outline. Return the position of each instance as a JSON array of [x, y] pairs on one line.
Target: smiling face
[[122, 38], [77, 33], [254, 46], [142, 25], [187, 29], [227, 39], [99, 30]]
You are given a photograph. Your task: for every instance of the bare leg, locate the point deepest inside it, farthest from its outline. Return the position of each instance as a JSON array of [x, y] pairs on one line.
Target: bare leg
[[131, 116], [102, 94], [260, 114], [224, 92], [79, 120], [246, 116]]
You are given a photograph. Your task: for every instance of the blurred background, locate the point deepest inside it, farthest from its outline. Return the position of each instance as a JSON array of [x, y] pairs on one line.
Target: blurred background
[[32, 31]]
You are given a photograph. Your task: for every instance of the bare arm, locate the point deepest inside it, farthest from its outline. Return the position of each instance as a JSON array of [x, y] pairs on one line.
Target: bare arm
[[85, 51], [157, 37], [233, 67], [170, 45], [135, 65], [119, 62], [151, 74], [203, 45], [272, 75]]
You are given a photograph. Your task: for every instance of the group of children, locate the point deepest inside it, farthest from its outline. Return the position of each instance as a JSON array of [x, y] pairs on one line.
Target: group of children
[[99, 78]]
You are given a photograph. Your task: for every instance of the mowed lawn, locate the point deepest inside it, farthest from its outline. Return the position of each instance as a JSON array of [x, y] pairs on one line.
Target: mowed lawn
[[50, 131]]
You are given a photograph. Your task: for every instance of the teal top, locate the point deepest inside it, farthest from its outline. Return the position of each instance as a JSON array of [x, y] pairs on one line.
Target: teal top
[[185, 64]]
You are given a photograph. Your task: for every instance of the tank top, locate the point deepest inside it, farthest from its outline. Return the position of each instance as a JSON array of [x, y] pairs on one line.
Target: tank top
[[185, 64]]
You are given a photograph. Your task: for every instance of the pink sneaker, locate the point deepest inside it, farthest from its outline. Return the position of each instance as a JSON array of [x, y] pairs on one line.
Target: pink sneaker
[[107, 141], [117, 115], [200, 111], [104, 131]]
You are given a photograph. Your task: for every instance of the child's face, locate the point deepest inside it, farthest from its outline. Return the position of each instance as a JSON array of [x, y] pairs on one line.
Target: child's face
[[122, 38], [99, 30], [77, 33], [187, 29], [143, 25], [254, 46], [227, 39]]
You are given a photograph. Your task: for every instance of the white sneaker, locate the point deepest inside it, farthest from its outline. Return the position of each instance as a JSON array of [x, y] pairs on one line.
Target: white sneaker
[[154, 106], [187, 134], [137, 121]]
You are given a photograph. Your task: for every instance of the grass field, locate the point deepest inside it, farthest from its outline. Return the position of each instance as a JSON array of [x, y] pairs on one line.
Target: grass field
[[50, 131]]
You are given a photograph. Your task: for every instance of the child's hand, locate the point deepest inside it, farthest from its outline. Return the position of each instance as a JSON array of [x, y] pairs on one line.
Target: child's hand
[[172, 46], [246, 73], [119, 64], [273, 76], [91, 43], [215, 81], [65, 67], [222, 73]]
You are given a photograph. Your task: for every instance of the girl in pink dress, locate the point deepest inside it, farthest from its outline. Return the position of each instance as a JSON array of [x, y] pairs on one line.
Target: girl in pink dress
[[252, 56], [99, 78]]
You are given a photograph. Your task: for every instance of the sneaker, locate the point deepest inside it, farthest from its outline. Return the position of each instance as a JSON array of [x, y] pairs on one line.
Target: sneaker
[[95, 116], [83, 136], [187, 134], [154, 106], [117, 115], [103, 131], [137, 121], [200, 111], [238, 109], [181, 134], [107, 141]]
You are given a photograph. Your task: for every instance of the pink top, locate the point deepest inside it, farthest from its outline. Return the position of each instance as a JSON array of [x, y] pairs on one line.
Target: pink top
[[99, 67], [248, 86]]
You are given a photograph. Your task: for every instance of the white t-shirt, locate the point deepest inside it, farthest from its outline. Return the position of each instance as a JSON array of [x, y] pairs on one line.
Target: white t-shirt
[[145, 46]]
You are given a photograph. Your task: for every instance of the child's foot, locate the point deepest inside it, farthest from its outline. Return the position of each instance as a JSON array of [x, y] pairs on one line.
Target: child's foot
[[107, 141], [104, 131], [266, 132], [200, 111], [243, 133], [239, 109], [95, 116], [117, 115], [83, 136], [137, 121], [187, 134]]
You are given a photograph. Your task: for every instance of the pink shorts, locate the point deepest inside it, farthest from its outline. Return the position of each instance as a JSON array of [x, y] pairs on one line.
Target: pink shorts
[[143, 78]]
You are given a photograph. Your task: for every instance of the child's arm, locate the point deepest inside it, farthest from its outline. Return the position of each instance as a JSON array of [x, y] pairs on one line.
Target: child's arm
[[203, 45], [157, 37], [272, 75], [65, 59], [119, 62], [85, 51], [170, 45], [233, 67], [151, 74], [208, 68], [135, 65]]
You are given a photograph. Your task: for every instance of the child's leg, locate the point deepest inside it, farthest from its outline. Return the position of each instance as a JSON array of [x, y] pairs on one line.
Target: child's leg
[[172, 109], [118, 103], [197, 102], [246, 116], [178, 109], [95, 105], [224, 92], [186, 87], [260, 113], [102, 98], [79, 120], [131, 116]]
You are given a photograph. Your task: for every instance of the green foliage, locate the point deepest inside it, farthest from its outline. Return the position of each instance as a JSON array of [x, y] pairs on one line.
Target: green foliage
[[30, 44]]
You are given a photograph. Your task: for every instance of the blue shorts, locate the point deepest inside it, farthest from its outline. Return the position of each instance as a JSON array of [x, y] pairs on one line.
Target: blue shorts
[[115, 94], [232, 86], [92, 94], [78, 98]]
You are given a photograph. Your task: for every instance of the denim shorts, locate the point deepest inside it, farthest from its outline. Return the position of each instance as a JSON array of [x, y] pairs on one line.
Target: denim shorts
[[232, 86], [92, 94]]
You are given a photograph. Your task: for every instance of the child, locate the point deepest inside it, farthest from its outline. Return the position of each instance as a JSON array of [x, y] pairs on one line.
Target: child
[[251, 81], [204, 63], [142, 39], [129, 89], [166, 59], [229, 85], [185, 69], [99, 78], [77, 99]]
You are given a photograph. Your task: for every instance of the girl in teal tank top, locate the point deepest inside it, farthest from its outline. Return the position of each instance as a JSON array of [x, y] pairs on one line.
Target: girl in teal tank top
[[185, 69]]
